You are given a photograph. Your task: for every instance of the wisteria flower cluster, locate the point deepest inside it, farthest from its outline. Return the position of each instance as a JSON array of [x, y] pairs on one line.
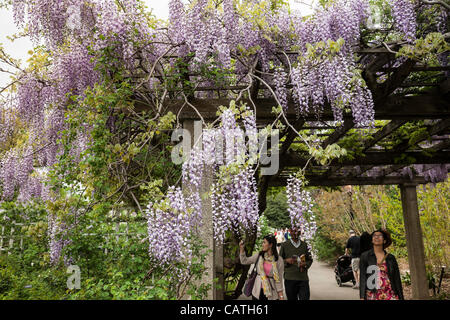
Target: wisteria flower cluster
[[206, 32], [57, 231], [403, 12], [300, 206], [170, 225], [432, 173], [234, 195], [234, 200], [41, 99]]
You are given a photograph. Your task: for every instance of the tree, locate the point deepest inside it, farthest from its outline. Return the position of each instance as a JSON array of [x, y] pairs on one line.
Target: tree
[[276, 213]]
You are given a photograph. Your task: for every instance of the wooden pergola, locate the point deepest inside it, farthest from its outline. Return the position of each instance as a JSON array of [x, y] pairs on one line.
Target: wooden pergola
[[425, 101]]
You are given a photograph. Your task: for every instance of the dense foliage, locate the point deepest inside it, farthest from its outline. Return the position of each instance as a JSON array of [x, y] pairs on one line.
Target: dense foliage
[[276, 211]]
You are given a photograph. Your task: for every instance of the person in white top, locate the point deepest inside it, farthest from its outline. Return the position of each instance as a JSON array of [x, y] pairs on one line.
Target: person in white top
[[280, 237]]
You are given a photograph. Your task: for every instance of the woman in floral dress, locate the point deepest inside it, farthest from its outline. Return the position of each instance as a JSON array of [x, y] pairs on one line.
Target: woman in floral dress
[[380, 275]]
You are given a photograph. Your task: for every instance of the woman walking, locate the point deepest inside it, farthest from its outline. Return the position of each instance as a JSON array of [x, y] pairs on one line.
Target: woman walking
[[269, 280], [386, 285]]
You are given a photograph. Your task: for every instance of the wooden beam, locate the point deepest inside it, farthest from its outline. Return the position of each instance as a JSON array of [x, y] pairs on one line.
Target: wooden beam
[[213, 252], [433, 130], [442, 125], [379, 135], [414, 241], [427, 106], [386, 88], [339, 132], [419, 69], [371, 159], [393, 168], [334, 182]]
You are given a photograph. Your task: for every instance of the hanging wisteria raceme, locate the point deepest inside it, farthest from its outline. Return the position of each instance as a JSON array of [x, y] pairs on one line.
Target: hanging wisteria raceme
[[8, 170], [193, 168], [300, 211], [235, 205], [280, 80], [432, 173], [177, 23], [442, 24], [14, 171], [57, 231], [234, 196], [171, 223], [7, 122], [403, 12]]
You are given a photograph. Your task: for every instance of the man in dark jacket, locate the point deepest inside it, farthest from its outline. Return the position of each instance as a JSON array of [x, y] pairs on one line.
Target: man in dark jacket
[[296, 281]]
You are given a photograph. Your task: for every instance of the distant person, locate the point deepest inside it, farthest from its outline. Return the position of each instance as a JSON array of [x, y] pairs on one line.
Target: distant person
[[270, 269], [353, 245], [297, 261], [280, 238], [286, 235], [387, 285]]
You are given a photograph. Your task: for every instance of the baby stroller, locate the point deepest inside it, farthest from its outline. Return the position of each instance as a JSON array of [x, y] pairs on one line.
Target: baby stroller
[[343, 270]]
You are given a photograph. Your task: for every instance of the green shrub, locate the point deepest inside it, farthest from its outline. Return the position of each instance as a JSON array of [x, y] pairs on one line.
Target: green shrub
[[125, 272], [326, 249]]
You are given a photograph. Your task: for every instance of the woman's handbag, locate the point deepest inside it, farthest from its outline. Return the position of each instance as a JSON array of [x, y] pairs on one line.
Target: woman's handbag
[[250, 282]]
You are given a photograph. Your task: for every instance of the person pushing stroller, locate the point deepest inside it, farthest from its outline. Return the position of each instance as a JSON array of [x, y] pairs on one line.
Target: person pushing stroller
[[353, 243]]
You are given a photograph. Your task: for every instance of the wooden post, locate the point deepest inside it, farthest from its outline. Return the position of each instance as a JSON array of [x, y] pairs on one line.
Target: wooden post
[[214, 258], [219, 290], [414, 241]]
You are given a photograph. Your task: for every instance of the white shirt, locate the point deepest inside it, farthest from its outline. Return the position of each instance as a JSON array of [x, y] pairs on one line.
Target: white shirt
[[296, 245]]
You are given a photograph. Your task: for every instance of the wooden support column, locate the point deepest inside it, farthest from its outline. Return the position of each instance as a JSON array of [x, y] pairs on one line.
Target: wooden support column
[[214, 258], [414, 241]]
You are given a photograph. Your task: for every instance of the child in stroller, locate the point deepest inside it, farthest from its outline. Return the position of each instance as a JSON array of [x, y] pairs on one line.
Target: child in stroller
[[343, 270]]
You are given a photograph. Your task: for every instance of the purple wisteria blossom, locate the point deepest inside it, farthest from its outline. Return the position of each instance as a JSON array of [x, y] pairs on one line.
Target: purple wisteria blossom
[[300, 211]]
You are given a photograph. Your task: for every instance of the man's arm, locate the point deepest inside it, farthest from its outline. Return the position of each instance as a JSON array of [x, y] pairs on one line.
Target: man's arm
[[309, 259], [282, 254], [348, 246], [362, 276]]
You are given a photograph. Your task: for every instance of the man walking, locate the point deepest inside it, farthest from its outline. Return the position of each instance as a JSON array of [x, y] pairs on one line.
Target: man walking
[[297, 261], [353, 243]]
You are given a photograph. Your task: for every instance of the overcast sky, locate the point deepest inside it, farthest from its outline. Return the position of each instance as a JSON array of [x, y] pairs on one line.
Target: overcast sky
[[19, 48]]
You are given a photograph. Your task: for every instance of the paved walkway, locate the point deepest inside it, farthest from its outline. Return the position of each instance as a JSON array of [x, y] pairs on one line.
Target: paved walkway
[[323, 285]]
